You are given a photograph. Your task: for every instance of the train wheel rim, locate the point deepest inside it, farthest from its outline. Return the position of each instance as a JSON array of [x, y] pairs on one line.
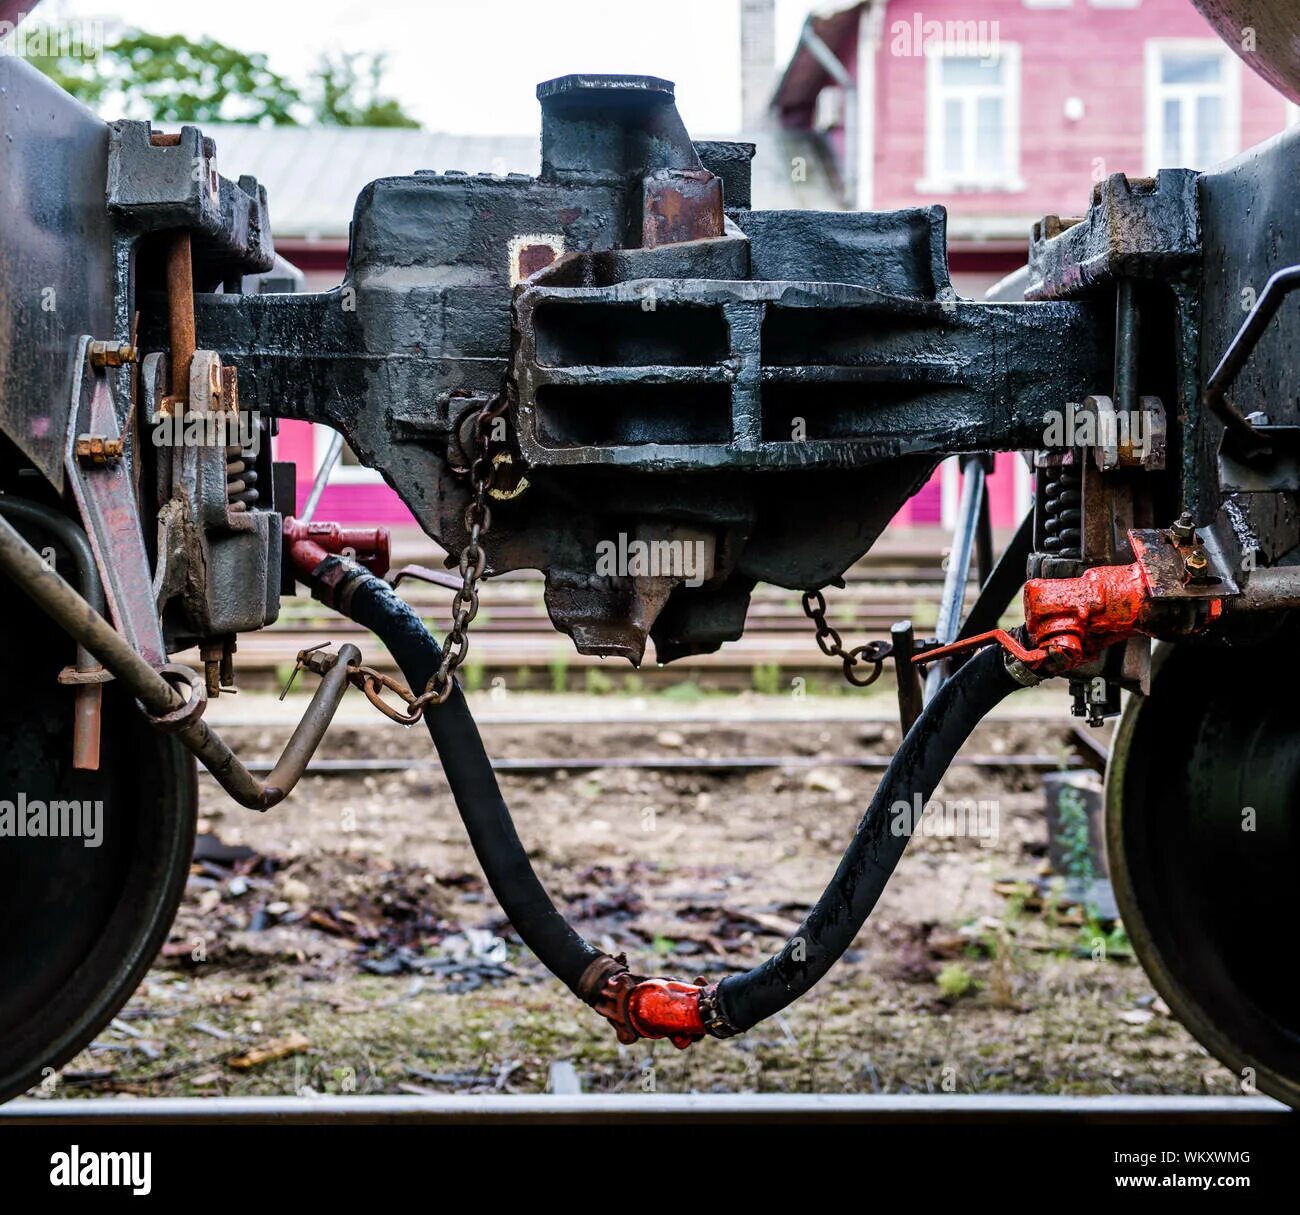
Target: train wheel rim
[[80, 923], [1203, 838]]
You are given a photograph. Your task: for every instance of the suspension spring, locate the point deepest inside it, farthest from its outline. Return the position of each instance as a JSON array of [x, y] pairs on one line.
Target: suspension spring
[[1063, 511], [241, 479]]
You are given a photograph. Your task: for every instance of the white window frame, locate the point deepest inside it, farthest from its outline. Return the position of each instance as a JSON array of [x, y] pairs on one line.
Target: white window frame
[[939, 181], [343, 474], [1156, 93]]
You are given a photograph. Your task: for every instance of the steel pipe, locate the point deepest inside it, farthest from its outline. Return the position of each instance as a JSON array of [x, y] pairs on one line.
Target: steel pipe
[[159, 698]]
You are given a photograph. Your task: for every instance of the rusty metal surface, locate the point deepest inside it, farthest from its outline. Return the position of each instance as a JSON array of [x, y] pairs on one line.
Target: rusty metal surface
[[105, 494], [180, 313], [1135, 228]]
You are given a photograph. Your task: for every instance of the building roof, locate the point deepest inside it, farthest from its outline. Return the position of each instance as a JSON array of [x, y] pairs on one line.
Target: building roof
[[805, 76], [314, 174]]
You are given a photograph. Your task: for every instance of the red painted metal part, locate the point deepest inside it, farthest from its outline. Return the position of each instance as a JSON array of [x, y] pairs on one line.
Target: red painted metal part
[[652, 1008], [306, 545], [1072, 620]]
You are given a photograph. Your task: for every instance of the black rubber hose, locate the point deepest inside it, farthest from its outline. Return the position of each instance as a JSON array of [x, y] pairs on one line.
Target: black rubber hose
[[373, 603], [828, 929], [914, 772]]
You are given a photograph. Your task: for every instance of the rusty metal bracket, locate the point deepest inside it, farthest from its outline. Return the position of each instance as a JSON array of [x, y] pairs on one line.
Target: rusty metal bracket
[[105, 495]]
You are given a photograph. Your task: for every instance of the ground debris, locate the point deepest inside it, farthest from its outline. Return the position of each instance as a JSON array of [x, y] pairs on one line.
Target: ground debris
[[269, 1052]]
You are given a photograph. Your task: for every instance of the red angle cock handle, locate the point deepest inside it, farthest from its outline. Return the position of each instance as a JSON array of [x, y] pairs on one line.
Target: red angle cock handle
[[1070, 621]]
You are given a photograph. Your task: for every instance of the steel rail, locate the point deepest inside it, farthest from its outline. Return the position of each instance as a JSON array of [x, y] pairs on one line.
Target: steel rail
[[674, 1109], [670, 763]]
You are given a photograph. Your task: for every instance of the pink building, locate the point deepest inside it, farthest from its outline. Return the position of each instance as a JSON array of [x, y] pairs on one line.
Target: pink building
[[1008, 110]]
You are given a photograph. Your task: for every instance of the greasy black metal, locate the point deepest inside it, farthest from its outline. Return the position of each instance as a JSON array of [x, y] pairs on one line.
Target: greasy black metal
[[878, 843], [791, 374], [1250, 226], [729, 161], [1135, 228], [906, 676], [74, 540], [1202, 847], [374, 604], [53, 161], [1243, 434], [87, 921], [176, 185]]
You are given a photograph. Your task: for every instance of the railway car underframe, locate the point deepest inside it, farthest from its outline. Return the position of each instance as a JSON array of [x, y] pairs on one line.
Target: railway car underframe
[[620, 352]]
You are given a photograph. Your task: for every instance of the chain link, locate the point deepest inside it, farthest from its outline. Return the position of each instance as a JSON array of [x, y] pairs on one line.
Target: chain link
[[473, 560], [829, 641]]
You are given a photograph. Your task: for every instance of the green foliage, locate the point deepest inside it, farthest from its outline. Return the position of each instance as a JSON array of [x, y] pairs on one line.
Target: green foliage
[[169, 78], [559, 668], [597, 682], [766, 677], [471, 676], [347, 93], [1074, 835], [686, 693], [955, 981], [173, 79]]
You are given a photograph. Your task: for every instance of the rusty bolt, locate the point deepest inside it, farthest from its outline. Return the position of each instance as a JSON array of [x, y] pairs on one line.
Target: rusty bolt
[[1196, 565], [95, 449], [1184, 531], [111, 354]]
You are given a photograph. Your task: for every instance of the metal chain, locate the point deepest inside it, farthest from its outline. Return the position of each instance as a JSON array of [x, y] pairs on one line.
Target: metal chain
[[873, 654], [464, 606]]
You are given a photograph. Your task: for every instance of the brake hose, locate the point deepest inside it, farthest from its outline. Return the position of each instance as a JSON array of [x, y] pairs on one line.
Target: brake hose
[[642, 1007]]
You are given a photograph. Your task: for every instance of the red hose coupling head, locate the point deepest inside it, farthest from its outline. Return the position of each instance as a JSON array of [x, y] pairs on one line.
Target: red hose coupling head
[[306, 545], [639, 1007]]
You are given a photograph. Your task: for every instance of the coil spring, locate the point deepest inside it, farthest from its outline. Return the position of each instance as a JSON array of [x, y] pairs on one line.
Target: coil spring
[[241, 479], [1063, 512]]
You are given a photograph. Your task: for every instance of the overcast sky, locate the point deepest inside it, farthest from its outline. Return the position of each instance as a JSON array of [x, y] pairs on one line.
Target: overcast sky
[[471, 66]]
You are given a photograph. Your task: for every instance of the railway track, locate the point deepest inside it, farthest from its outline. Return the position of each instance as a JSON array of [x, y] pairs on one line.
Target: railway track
[[663, 763], [513, 631], [663, 1109]]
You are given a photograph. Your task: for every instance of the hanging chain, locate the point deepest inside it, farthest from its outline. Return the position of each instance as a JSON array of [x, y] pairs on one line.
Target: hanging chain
[[464, 606], [871, 655]]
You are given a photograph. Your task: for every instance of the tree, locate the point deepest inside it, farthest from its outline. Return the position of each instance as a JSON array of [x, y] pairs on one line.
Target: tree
[[177, 80], [347, 93], [170, 79]]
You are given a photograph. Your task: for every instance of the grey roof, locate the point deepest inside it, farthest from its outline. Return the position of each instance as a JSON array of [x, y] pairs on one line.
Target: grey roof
[[314, 174]]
